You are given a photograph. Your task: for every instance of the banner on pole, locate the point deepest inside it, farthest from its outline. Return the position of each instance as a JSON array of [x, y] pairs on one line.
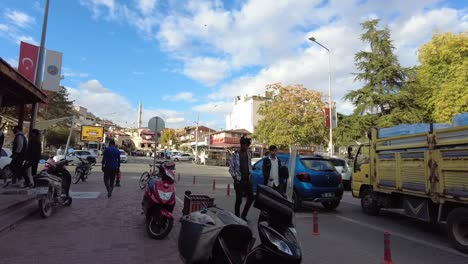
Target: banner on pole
[[27, 63], [333, 117], [52, 71]]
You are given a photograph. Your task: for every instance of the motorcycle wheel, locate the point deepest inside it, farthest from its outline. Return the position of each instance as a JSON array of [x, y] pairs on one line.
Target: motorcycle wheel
[[158, 227], [67, 201], [77, 176], [144, 179], [45, 207]]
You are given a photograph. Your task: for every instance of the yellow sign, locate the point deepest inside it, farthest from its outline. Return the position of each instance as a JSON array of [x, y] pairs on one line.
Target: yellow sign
[[92, 133]]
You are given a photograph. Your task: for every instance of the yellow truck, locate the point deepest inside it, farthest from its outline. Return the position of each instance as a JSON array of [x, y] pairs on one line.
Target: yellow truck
[[425, 174]]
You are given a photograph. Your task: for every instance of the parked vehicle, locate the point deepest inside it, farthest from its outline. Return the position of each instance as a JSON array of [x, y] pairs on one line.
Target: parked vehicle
[[159, 201], [52, 186], [73, 157], [315, 180], [123, 156], [5, 160], [214, 235], [182, 157], [254, 160], [83, 169], [343, 168], [425, 173]]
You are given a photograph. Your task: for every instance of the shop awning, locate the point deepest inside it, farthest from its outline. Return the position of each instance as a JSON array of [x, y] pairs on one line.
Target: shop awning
[[16, 89]]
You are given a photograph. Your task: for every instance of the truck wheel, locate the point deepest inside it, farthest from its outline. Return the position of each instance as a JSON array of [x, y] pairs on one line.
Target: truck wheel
[[457, 229], [369, 203]]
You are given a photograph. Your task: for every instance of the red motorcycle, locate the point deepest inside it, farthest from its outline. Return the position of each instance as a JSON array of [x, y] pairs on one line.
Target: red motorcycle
[[159, 201]]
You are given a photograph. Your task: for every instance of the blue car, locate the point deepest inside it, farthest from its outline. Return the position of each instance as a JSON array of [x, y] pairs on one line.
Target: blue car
[[315, 180]]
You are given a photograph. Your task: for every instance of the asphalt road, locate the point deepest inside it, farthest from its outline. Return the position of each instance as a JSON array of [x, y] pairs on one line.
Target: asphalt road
[[96, 229]]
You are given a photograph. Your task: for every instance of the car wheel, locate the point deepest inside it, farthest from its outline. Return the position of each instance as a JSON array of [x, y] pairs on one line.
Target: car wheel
[[369, 202], [176, 159], [457, 229]]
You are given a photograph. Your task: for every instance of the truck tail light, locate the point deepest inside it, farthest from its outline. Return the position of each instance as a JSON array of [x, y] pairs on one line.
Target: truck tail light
[[303, 177]]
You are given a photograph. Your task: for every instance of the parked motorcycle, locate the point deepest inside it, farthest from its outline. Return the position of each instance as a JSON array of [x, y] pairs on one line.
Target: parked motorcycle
[[221, 237], [83, 169], [52, 187], [159, 201]]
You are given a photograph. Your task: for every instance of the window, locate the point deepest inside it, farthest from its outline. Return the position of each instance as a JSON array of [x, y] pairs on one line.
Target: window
[[284, 162], [86, 153], [258, 165], [338, 162], [4, 154], [122, 152], [317, 164]]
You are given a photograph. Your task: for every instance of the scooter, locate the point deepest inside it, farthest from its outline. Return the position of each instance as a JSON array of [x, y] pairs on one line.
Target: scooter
[[222, 237], [159, 201], [52, 186], [83, 169]]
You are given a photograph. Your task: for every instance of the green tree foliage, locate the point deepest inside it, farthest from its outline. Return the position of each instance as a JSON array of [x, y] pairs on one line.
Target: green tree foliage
[[443, 75], [381, 73], [58, 105], [352, 129], [168, 134], [58, 136], [295, 115]]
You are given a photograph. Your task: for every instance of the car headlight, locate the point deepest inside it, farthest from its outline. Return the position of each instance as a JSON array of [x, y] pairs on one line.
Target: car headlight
[[278, 242], [165, 195]]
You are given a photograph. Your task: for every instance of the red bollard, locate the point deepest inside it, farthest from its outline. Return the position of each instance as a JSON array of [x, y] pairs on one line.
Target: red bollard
[[387, 249], [214, 184], [178, 177], [315, 219], [228, 191], [193, 181]]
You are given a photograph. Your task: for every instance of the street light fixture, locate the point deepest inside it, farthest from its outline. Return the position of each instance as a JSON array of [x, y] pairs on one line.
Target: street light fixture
[[330, 144]]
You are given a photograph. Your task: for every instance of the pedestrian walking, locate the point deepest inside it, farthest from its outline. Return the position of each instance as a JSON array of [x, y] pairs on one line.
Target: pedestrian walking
[[271, 169], [33, 155], [20, 145], [59, 151], [110, 166], [240, 168]]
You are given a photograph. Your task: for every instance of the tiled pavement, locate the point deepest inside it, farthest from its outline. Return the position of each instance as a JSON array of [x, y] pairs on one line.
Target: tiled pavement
[[97, 230]]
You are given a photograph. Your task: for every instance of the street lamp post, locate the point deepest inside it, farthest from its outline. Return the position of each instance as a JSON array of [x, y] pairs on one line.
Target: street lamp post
[[330, 144]]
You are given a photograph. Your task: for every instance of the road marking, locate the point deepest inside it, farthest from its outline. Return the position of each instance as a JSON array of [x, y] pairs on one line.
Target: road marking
[[412, 239]]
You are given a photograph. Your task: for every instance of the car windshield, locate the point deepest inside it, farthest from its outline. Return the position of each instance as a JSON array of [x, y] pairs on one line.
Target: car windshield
[[338, 162], [122, 152], [317, 164]]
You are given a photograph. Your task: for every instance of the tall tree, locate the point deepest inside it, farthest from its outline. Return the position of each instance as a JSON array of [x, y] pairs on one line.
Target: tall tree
[[58, 105], [168, 134], [295, 115], [381, 73], [443, 75]]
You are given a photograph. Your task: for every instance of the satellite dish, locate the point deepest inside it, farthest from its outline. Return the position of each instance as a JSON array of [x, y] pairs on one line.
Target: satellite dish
[[156, 124]]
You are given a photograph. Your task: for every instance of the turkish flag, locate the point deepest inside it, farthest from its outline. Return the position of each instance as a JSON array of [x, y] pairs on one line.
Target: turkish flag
[[28, 60]]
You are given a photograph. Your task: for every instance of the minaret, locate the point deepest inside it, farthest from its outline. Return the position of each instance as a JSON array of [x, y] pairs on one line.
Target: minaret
[[139, 115]]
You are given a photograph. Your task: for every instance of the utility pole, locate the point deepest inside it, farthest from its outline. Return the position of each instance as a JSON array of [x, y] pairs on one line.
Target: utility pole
[[40, 63], [196, 138]]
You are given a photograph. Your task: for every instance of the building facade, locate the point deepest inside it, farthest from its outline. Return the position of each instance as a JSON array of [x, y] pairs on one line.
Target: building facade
[[244, 114]]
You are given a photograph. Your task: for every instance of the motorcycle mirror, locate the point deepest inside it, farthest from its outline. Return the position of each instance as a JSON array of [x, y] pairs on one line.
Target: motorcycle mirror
[[42, 161]]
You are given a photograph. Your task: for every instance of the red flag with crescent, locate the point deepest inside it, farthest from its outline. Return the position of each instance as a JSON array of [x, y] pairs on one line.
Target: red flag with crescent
[[28, 60]]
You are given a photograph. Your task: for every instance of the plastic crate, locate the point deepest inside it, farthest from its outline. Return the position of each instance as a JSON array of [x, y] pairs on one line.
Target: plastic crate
[[193, 203]]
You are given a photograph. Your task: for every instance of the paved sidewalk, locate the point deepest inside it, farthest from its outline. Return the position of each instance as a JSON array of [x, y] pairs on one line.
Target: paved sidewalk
[[95, 230]]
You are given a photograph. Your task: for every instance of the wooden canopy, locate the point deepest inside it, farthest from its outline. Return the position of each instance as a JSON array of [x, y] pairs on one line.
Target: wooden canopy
[[15, 89]]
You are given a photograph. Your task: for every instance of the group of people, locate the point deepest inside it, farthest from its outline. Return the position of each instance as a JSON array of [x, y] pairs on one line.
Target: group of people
[[25, 156], [240, 168]]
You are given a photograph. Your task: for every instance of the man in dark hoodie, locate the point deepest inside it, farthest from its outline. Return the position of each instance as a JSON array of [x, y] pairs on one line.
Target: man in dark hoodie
[[33, 155]]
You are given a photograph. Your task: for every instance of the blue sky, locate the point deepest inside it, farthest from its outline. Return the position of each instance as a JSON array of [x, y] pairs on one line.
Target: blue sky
[[183, 57]]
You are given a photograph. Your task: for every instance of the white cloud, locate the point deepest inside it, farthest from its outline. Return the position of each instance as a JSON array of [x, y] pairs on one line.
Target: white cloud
[[138, 72], [67, 72], [19, 18], [146, 6], [13, 62], [105, 103], [183, 96], [96, 6], [214, 107], [208, 71]]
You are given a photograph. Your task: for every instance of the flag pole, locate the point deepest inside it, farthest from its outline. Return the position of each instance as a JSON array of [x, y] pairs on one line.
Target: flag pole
[[40, 63]]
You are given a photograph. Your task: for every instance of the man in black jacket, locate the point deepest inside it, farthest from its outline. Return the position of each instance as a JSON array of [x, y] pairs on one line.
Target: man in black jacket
[[20, 146], [274, 175]]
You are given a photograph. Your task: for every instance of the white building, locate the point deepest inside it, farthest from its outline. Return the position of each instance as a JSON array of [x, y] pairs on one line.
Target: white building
[[244, 113]]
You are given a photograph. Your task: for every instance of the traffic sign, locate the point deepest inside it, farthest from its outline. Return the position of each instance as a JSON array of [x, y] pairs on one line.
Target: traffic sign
[[156, 124]]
